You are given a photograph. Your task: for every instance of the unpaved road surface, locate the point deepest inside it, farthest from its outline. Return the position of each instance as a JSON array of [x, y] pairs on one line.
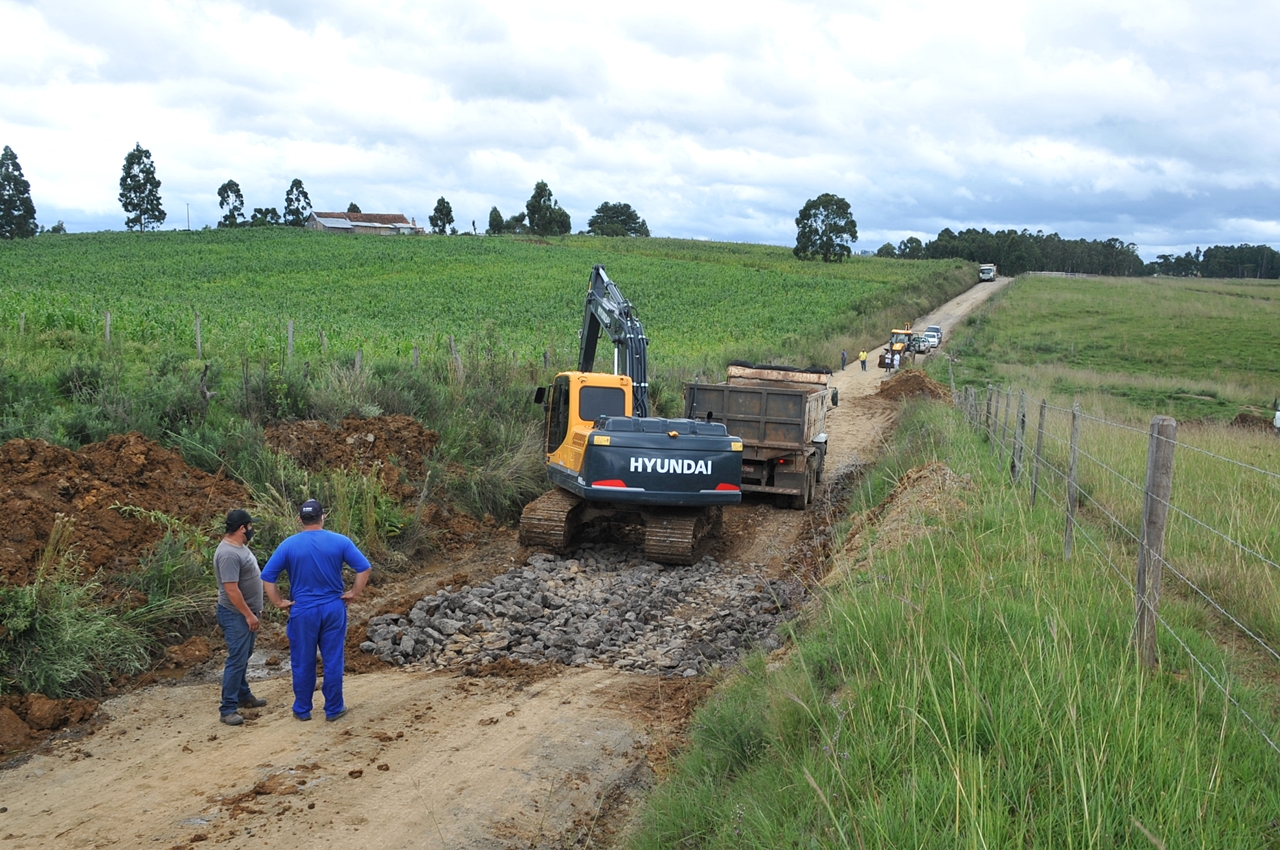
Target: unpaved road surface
[[533, 757]]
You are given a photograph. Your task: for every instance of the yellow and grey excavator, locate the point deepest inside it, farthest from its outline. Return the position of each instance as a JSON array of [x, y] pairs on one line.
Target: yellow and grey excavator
[[609, 459]]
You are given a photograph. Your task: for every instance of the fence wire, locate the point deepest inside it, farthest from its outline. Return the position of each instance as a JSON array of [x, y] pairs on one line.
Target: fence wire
[[992, 424]]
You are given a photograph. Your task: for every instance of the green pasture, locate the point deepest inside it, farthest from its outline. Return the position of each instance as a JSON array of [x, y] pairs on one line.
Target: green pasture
[[971, 688], [700, 301], [1189, 348]]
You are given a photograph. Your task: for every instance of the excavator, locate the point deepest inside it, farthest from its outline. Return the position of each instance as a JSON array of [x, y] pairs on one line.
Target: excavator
[[610, 460]]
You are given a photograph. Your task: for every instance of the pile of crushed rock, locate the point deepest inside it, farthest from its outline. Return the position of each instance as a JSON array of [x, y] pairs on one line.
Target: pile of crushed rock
[[602, 608]]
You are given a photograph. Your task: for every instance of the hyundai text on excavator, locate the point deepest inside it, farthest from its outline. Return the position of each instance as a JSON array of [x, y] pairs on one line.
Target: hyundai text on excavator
[[609, 459]]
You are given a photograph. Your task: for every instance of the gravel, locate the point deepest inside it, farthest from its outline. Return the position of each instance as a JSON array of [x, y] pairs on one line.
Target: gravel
[[603, 608]]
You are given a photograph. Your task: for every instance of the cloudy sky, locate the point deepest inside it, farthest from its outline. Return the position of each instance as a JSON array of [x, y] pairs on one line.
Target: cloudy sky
[[1157, 121]]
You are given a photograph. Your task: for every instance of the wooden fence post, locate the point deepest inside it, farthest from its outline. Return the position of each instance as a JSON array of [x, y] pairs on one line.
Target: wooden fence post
[[199, 342], [107, 327], [1035, 460], [993, 415], [1073, 494], [415, 357], [22, 323], [955, 399], [1019, 437], [291, 339], [1155, 516], [205, 393], [324, 343], [359, 359], [1005, 432]]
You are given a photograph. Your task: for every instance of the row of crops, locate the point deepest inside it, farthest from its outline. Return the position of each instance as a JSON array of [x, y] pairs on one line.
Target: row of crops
[[386, 295]]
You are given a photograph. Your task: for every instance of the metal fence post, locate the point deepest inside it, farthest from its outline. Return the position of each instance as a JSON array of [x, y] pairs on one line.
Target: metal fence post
[[1073, 494], [1155, 516], [1035, 460]]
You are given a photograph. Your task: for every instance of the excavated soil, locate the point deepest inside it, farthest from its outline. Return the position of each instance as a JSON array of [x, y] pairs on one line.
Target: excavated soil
[[397, 444], [1252, 420], [922, 499], [38, 481], [911, 383]]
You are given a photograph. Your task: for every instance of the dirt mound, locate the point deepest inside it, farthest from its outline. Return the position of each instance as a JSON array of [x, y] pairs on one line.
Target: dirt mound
[[912, 382], [396, 442], [26, 719], [921, 497], [39, 481], [1252, 420]]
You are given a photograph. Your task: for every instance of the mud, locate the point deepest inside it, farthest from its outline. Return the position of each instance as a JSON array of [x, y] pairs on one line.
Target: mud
[[397, 445], [38, 481]]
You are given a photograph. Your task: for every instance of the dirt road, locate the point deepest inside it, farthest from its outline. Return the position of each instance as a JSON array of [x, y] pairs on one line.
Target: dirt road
[[538, 756]]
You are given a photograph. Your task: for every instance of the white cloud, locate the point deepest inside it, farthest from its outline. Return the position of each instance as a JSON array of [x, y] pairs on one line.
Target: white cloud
[[1097, 118]]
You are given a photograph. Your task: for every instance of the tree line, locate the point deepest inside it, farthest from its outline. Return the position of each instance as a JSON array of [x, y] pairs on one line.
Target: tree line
[[140, 199]]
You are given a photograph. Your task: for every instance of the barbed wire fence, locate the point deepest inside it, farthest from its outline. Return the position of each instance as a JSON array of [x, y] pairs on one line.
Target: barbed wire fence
[[1078, 462]]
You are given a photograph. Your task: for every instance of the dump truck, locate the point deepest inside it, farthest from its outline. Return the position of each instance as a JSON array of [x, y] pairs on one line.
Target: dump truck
[[780, 415], [612, 462], [987, 271]]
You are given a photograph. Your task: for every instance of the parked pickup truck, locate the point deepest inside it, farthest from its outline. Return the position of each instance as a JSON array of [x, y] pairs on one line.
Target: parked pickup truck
[[781, 416]]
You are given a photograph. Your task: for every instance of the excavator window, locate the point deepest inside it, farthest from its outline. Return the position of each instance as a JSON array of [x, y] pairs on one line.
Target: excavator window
[[558, 414], [594, 402]]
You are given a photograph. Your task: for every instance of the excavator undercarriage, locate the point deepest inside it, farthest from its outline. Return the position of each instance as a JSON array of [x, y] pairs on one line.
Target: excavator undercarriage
[[671, 535]]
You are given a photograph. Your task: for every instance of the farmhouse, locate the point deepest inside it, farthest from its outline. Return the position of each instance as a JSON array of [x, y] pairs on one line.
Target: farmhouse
[[383, 224]]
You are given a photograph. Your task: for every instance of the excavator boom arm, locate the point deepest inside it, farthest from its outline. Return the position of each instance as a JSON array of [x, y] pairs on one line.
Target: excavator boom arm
[[609, 313]]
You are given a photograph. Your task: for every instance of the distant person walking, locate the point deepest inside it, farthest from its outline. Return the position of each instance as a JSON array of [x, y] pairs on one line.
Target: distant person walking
[[862, 358], [844, 358], [313, 559], [239, 607]]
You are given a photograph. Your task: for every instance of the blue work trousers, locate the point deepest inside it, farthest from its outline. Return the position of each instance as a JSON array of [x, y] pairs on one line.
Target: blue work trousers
[[240, 640], [322, 626]]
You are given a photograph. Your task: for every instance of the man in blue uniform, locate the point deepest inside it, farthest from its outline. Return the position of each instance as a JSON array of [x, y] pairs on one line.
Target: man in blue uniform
[[313, 559]]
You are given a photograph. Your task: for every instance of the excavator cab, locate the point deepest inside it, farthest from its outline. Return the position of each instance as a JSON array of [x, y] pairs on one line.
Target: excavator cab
[[574, 403]]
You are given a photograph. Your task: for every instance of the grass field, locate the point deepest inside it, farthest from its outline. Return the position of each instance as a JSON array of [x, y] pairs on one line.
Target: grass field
[[1189, 348], [700, 302], [967, 688]]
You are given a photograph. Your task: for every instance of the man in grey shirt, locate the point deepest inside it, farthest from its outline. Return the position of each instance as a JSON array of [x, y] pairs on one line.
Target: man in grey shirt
[[239, 607]]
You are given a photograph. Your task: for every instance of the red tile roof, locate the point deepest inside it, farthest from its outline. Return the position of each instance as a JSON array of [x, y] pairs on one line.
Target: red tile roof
[[366, 218]]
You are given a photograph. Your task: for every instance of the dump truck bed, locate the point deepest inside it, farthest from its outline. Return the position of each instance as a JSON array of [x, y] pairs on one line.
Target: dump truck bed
[[781, 419]]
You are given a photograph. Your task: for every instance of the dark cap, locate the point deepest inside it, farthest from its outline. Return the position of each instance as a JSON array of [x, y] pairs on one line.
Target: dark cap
[[237, 518], [311, 509]]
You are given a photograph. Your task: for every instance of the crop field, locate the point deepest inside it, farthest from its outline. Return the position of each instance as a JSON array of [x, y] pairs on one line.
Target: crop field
[[1190, 348], [387, 295]]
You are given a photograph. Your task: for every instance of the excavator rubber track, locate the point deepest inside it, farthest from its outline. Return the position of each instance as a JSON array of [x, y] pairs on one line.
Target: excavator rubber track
[[679, 538], [550, 521]]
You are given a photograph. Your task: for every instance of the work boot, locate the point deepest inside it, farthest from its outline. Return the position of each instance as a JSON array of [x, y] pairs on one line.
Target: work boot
[[253, 702], [232, 719]]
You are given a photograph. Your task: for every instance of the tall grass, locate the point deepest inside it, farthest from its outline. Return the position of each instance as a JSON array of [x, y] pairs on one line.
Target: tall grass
[[971, 689], [59, 638]]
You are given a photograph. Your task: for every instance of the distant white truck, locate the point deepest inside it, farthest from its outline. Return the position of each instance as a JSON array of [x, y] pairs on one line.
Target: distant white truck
[[987, 271]]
